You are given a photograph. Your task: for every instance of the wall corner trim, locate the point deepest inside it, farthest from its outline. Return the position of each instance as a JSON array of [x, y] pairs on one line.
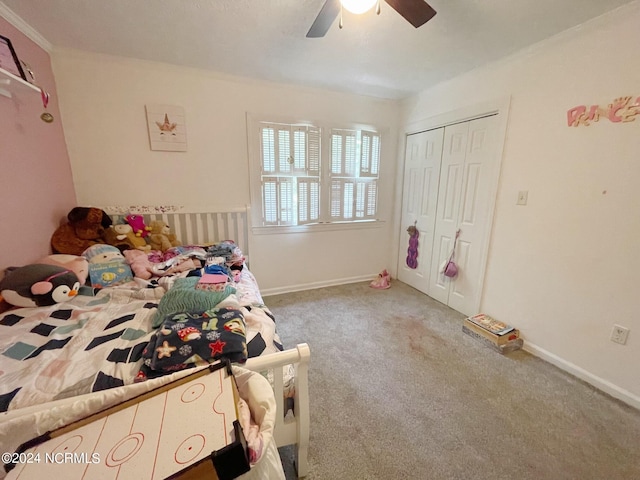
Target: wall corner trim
[[13, 18]]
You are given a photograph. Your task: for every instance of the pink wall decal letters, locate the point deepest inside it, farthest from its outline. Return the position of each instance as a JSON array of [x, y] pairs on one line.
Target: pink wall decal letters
[[620, 110]]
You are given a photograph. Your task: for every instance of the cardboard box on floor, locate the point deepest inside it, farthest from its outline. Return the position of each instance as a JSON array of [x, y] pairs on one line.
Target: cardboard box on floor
[[186, 429], [506, 342]]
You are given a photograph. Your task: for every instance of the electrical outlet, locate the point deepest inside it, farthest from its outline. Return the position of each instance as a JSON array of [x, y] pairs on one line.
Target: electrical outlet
[[619, 334], [523, 195]]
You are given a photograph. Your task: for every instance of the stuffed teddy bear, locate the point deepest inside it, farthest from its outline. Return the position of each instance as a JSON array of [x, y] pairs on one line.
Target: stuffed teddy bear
[[39, 285], [85, 227], [138, 225], [122, 237], [161, 237]]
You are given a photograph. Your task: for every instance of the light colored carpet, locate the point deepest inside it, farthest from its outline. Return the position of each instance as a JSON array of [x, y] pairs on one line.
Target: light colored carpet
[[399, 392]]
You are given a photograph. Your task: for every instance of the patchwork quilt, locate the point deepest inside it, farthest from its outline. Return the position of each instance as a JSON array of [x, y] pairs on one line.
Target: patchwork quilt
[[94, 343], [71, 348]]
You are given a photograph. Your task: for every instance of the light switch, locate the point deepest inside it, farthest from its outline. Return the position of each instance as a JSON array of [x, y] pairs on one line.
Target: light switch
[[523, 195]]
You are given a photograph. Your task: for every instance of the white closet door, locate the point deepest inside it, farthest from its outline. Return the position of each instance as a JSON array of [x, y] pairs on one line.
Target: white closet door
[[468, 173], [476, 212], [448, 210], [420, 195]]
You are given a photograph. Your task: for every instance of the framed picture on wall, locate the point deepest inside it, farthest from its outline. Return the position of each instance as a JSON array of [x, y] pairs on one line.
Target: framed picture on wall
[[9, 60], [167, 129]]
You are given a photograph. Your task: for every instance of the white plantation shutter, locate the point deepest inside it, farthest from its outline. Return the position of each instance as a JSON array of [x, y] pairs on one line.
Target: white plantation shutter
[[360, 199], [299, 149], [308, 200], [343, 198], [365, 153], [293, 190], [336, 154], [344, 158], [366, 199], [309, 187], [348, 196], [268, 150], [284, 150], [276, 149], [355, 163], [353, 199], [369, 154], [285, 196], [372, 199], [270, 201], [277, 201], [336, 200], [375, 155], [290, 174], [313, 151]]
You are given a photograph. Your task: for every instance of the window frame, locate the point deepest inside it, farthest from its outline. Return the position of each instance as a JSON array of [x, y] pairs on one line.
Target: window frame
[[254, 123]]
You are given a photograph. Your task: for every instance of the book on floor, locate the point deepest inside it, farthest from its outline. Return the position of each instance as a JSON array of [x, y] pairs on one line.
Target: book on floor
[[490, 324], [496, 339]]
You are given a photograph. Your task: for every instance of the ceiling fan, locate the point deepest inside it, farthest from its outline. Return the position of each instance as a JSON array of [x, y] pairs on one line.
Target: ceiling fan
[[416, 12]]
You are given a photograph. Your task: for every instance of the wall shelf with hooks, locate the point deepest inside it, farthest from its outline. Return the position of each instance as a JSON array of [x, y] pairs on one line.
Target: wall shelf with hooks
[[11, 84]]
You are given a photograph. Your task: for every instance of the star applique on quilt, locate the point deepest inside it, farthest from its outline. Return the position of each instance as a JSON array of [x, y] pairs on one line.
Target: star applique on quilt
[[217, 346], [165, 350]]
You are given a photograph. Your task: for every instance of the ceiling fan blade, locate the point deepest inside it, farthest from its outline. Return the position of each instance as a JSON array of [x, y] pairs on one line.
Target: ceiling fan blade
[[325, 18], [416, 12]]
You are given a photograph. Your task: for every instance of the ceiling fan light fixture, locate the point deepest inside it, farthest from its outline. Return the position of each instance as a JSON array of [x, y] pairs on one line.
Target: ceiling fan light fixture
[[358, 6]]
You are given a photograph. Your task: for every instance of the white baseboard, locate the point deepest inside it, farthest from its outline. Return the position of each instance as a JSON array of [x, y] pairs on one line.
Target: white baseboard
[[601, 384], [310, 286]]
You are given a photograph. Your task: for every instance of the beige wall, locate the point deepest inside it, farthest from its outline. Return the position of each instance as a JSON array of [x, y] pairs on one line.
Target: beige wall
[[564, 268], [103, 106], [36, 186]]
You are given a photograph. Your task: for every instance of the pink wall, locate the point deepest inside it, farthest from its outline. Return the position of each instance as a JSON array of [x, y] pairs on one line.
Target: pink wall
[[36, 183]]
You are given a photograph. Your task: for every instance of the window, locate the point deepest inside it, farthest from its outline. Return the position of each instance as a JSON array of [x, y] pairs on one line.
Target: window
[[301, 184], [355, 161], [290, 178]]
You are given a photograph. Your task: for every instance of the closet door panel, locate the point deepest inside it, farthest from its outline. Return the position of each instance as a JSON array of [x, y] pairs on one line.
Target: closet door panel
[[420, 194], [448, 209], [451, 184], [439, 285], [459, 287], [475, 214]]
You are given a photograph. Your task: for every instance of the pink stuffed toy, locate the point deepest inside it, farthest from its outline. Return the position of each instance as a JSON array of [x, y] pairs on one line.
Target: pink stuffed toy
[[145, 269], [139, 263], [137, 223]]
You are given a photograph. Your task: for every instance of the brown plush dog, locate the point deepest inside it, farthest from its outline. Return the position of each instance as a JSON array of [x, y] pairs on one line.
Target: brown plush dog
[[85, 227]]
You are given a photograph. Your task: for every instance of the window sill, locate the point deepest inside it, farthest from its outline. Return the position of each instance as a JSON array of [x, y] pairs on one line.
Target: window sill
[[318, 227]]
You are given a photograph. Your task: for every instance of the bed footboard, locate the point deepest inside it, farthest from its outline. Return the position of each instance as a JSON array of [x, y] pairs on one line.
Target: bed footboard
[[294, 431]]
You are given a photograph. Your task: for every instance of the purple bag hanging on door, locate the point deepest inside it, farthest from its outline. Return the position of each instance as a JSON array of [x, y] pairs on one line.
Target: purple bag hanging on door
[[449, 267]]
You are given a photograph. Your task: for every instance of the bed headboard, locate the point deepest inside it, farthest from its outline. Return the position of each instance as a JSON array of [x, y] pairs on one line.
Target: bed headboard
[[194, 228]]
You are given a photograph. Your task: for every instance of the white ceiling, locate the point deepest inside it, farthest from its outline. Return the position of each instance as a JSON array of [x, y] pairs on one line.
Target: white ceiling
[[383, 56]]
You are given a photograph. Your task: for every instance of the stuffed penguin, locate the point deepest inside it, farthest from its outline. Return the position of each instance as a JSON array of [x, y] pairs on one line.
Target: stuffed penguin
[[38, 285]]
